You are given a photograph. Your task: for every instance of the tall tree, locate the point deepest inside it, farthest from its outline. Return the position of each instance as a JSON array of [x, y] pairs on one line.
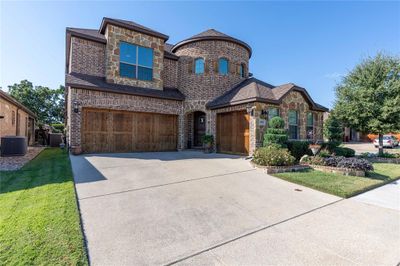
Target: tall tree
[[368, 98], [46, 103]]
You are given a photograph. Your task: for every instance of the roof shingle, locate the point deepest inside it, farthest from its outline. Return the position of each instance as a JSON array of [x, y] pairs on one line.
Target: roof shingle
[[78, 80]]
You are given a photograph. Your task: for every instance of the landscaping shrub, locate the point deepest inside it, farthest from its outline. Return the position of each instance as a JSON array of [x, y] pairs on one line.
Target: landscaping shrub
[[389, 155], [324, 153], [340, 162], [58, 128], [333, 130], [273, 155], [299, 148], [276, 132], [355, 163], [330, 146], [342, 151]]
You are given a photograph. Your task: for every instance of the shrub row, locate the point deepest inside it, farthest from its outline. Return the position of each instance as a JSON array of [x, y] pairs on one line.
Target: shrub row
[[273, 155], [339, 161]]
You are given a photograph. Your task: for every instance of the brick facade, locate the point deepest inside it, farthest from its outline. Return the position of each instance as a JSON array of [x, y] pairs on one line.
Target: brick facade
[[15, 121], [99, 59], [88, 57], [114, 36]]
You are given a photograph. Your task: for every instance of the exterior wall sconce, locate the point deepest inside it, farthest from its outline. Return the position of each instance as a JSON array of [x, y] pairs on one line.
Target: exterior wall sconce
[[75, 106], [250, 109]]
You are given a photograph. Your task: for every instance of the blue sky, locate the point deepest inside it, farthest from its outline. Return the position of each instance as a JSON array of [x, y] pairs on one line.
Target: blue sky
[[311, 44]]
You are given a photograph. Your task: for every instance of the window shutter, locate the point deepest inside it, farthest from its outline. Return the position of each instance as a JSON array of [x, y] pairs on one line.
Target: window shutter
[[216, 66], [231, 67], [206, 65], [191, 65]]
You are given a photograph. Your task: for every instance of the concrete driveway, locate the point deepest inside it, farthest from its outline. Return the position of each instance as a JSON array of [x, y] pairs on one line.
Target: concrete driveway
[[191, 208]]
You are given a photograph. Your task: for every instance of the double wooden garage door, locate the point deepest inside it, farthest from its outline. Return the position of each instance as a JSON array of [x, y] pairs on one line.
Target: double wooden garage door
[[121, 131], [233, 132]]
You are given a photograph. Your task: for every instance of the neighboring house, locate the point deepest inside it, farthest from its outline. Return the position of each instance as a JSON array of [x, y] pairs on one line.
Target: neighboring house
[[16, 119], [130, 90]]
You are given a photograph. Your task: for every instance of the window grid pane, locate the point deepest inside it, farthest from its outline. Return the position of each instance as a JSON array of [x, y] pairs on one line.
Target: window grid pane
[[272, 112], [199, 66], [223, 66], [136, 61]]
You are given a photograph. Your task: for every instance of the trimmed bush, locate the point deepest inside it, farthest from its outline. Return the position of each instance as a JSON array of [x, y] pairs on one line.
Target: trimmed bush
[[58, 128], [299, 148], [343, 151], [355, 163], [330, 146], [276, 132], [340, 162], [273, 155]]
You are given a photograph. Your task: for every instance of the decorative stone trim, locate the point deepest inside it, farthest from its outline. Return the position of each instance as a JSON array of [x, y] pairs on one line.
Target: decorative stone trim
[[337, 170], [384, 160], [280, 169]]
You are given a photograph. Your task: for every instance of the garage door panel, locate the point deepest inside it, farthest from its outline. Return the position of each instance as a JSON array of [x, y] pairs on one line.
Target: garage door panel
[[233, 132], [121, 131]]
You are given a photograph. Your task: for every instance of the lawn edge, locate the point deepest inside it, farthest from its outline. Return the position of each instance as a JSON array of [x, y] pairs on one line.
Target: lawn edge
[[342, 196], [84, 239]]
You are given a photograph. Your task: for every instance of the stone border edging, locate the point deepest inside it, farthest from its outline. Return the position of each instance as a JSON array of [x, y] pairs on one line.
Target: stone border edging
[[384, 160], [343, 171], [280, 169]]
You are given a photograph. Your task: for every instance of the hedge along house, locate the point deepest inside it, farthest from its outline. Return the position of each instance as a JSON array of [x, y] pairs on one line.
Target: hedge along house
[[129, 90], [16, 119]]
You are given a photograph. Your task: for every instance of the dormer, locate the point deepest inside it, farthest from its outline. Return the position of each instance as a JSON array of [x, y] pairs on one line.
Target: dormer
[[134, 54]]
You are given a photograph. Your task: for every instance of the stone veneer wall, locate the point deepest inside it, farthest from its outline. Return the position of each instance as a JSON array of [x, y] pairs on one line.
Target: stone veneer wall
[[114, 36], [295, 101], [210, 84], [88, 57], [115, 101], [170, 73]]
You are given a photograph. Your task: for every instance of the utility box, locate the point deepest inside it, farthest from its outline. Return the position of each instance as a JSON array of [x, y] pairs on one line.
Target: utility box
[[13, 146]]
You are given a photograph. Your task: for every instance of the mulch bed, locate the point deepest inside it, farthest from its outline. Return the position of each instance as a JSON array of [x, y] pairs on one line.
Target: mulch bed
[[12, 163]]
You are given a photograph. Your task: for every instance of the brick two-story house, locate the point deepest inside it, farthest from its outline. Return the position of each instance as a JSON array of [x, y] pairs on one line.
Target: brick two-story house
[[129, 90]]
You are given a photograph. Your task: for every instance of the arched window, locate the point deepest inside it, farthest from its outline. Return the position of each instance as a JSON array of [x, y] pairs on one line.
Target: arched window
[[199, 66], [223, 66], [242, 70]]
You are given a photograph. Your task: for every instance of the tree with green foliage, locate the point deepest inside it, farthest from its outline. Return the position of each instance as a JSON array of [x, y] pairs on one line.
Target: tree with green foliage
[[46, 103], [368, 98], [333, 130], [276, 132]]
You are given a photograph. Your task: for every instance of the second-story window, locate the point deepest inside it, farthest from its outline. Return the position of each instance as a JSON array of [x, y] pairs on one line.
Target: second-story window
[[242, 70], [199, 66], [135, 61], [223, 66]]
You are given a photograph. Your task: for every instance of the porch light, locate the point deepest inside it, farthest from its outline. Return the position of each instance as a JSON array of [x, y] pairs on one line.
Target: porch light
[[250, 109], [76, 107]]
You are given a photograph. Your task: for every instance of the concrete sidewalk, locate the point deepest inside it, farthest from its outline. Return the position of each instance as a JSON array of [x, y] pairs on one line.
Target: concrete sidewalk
[[387, 196]]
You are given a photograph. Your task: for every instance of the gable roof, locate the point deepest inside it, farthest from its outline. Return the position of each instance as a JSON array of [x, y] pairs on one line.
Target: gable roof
[[255, 90], [132, 26], [84, 81], [212, 34], [11, 99]]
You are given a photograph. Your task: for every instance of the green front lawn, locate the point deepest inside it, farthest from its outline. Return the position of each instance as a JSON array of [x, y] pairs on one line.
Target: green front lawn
[[341, 185], [39, 219]]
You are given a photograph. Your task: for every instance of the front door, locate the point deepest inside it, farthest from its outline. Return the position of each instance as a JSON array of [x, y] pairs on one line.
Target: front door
[[199, 128]]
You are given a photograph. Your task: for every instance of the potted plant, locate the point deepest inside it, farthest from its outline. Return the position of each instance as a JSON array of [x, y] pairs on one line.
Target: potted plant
[[208, 141], [315, 148]]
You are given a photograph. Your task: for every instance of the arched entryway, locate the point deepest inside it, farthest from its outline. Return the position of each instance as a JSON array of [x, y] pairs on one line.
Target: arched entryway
[[195, 129]]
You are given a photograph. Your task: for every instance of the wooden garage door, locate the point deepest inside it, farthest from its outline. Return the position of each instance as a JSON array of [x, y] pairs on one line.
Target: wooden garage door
[[233, 132], [121, 131]]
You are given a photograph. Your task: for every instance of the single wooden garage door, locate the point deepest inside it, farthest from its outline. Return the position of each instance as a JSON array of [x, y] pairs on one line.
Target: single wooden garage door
[[121, 131], [233, 132]]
